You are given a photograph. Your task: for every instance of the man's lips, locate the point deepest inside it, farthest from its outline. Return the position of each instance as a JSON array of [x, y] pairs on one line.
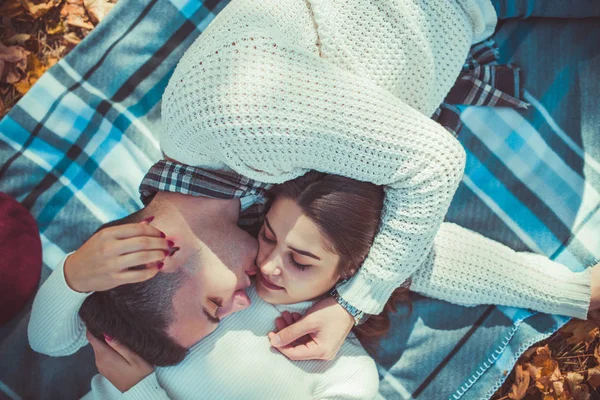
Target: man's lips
[[267, 283]]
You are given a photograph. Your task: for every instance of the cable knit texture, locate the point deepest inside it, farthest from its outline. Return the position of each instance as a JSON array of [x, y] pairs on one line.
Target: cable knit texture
[[273, 89]]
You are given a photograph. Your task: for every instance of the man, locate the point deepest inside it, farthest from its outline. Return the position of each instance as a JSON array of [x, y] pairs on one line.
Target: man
[[204, 258]]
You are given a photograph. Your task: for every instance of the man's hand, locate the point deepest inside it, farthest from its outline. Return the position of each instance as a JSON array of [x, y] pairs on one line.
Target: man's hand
[[317, 336], [122, 367], [102, 262]]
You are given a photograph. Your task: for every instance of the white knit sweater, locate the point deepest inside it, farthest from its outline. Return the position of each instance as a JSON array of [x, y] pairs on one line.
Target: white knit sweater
[[274, 88], [234, 362]]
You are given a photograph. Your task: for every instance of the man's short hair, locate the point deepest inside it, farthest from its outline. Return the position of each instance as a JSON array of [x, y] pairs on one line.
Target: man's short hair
[[138, 314]]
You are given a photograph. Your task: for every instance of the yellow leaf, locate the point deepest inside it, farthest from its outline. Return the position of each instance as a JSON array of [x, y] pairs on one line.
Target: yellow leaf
[[56, 29], [35, 69], [519, 388]]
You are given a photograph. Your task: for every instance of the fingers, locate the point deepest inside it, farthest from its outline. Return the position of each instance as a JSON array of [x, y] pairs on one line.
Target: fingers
[[279, 324], [123, 351], [287, 317], [139, 275], [101, 349], [291, 333], [141, 243], [305, 351], [296, 316], [132, 230], [140, 258]]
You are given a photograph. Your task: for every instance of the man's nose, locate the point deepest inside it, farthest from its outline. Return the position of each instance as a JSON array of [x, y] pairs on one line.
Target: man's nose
[[252, 268]]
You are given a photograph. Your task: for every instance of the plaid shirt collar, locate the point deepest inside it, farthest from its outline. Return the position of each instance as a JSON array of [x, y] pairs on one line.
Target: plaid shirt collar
[[171, 176], [481, 83]]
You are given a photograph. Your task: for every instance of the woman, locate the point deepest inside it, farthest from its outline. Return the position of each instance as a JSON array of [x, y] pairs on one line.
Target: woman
[[273, 89]]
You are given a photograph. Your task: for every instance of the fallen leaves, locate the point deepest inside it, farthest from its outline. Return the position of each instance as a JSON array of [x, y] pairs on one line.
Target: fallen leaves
[[35, 34], [13, 63], [570, 371]]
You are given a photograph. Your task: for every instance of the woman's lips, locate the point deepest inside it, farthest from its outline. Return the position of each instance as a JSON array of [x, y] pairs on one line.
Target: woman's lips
[[266, 283]]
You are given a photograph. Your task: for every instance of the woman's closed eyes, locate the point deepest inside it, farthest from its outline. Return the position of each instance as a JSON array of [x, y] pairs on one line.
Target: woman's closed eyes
[[263, 237]]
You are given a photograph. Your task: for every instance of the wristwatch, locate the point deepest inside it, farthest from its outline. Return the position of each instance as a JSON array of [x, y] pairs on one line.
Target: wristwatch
[[359, 316]]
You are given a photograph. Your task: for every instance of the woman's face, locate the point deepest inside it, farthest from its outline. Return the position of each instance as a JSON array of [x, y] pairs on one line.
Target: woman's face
[[294, 263]]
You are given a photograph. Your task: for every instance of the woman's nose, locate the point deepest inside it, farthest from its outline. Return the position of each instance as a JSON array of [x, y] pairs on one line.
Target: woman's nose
[[270, 265]]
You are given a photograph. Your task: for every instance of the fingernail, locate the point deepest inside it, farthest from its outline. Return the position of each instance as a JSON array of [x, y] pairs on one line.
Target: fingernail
[[148, 220], [167, 253], [108, 338], [275, 340], [161, 264], [171, 243], [174, 250], [162, 234]]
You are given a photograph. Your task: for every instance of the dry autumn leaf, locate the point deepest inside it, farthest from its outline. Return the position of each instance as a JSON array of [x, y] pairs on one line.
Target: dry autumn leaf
[[594, 377], [13, 63], [579, 391], [18, 39], [11, 8], [75, 14], [580, 331], [544, 370], [39, 9], [97, 9], [519, 388]]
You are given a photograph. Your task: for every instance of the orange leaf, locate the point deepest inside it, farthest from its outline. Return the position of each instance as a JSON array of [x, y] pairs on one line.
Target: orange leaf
[[519, 388]]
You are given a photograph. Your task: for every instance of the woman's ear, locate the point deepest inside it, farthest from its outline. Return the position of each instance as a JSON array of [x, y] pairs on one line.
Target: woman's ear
[[347, 274]]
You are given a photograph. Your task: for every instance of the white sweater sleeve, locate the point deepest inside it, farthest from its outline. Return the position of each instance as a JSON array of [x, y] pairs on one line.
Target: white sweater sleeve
[[469, 269], [315, 115], [55, 328], [354, 377], [146, 389]]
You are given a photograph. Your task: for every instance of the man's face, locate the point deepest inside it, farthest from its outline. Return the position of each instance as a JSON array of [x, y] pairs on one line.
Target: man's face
[[216, 257]]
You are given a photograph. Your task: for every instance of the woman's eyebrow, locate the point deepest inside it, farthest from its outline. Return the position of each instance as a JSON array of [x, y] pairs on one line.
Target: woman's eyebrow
[[269, 226], [304, 253]]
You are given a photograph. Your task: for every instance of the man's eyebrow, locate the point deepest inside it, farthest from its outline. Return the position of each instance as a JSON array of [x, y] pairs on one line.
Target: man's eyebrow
[[212, 319], [217, 300]]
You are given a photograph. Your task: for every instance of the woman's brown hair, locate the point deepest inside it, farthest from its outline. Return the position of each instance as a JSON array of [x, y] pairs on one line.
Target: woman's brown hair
[[347, 213]]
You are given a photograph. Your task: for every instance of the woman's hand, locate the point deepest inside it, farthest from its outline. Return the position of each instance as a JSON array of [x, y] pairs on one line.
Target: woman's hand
[[317, 336], [595, 288], [103, 262], [122, 367]]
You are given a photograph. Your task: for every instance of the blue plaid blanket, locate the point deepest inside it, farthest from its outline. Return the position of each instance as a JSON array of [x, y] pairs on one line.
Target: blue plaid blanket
[[76, 147]]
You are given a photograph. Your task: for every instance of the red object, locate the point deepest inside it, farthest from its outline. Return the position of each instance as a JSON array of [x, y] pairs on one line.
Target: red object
[[20, 257]]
